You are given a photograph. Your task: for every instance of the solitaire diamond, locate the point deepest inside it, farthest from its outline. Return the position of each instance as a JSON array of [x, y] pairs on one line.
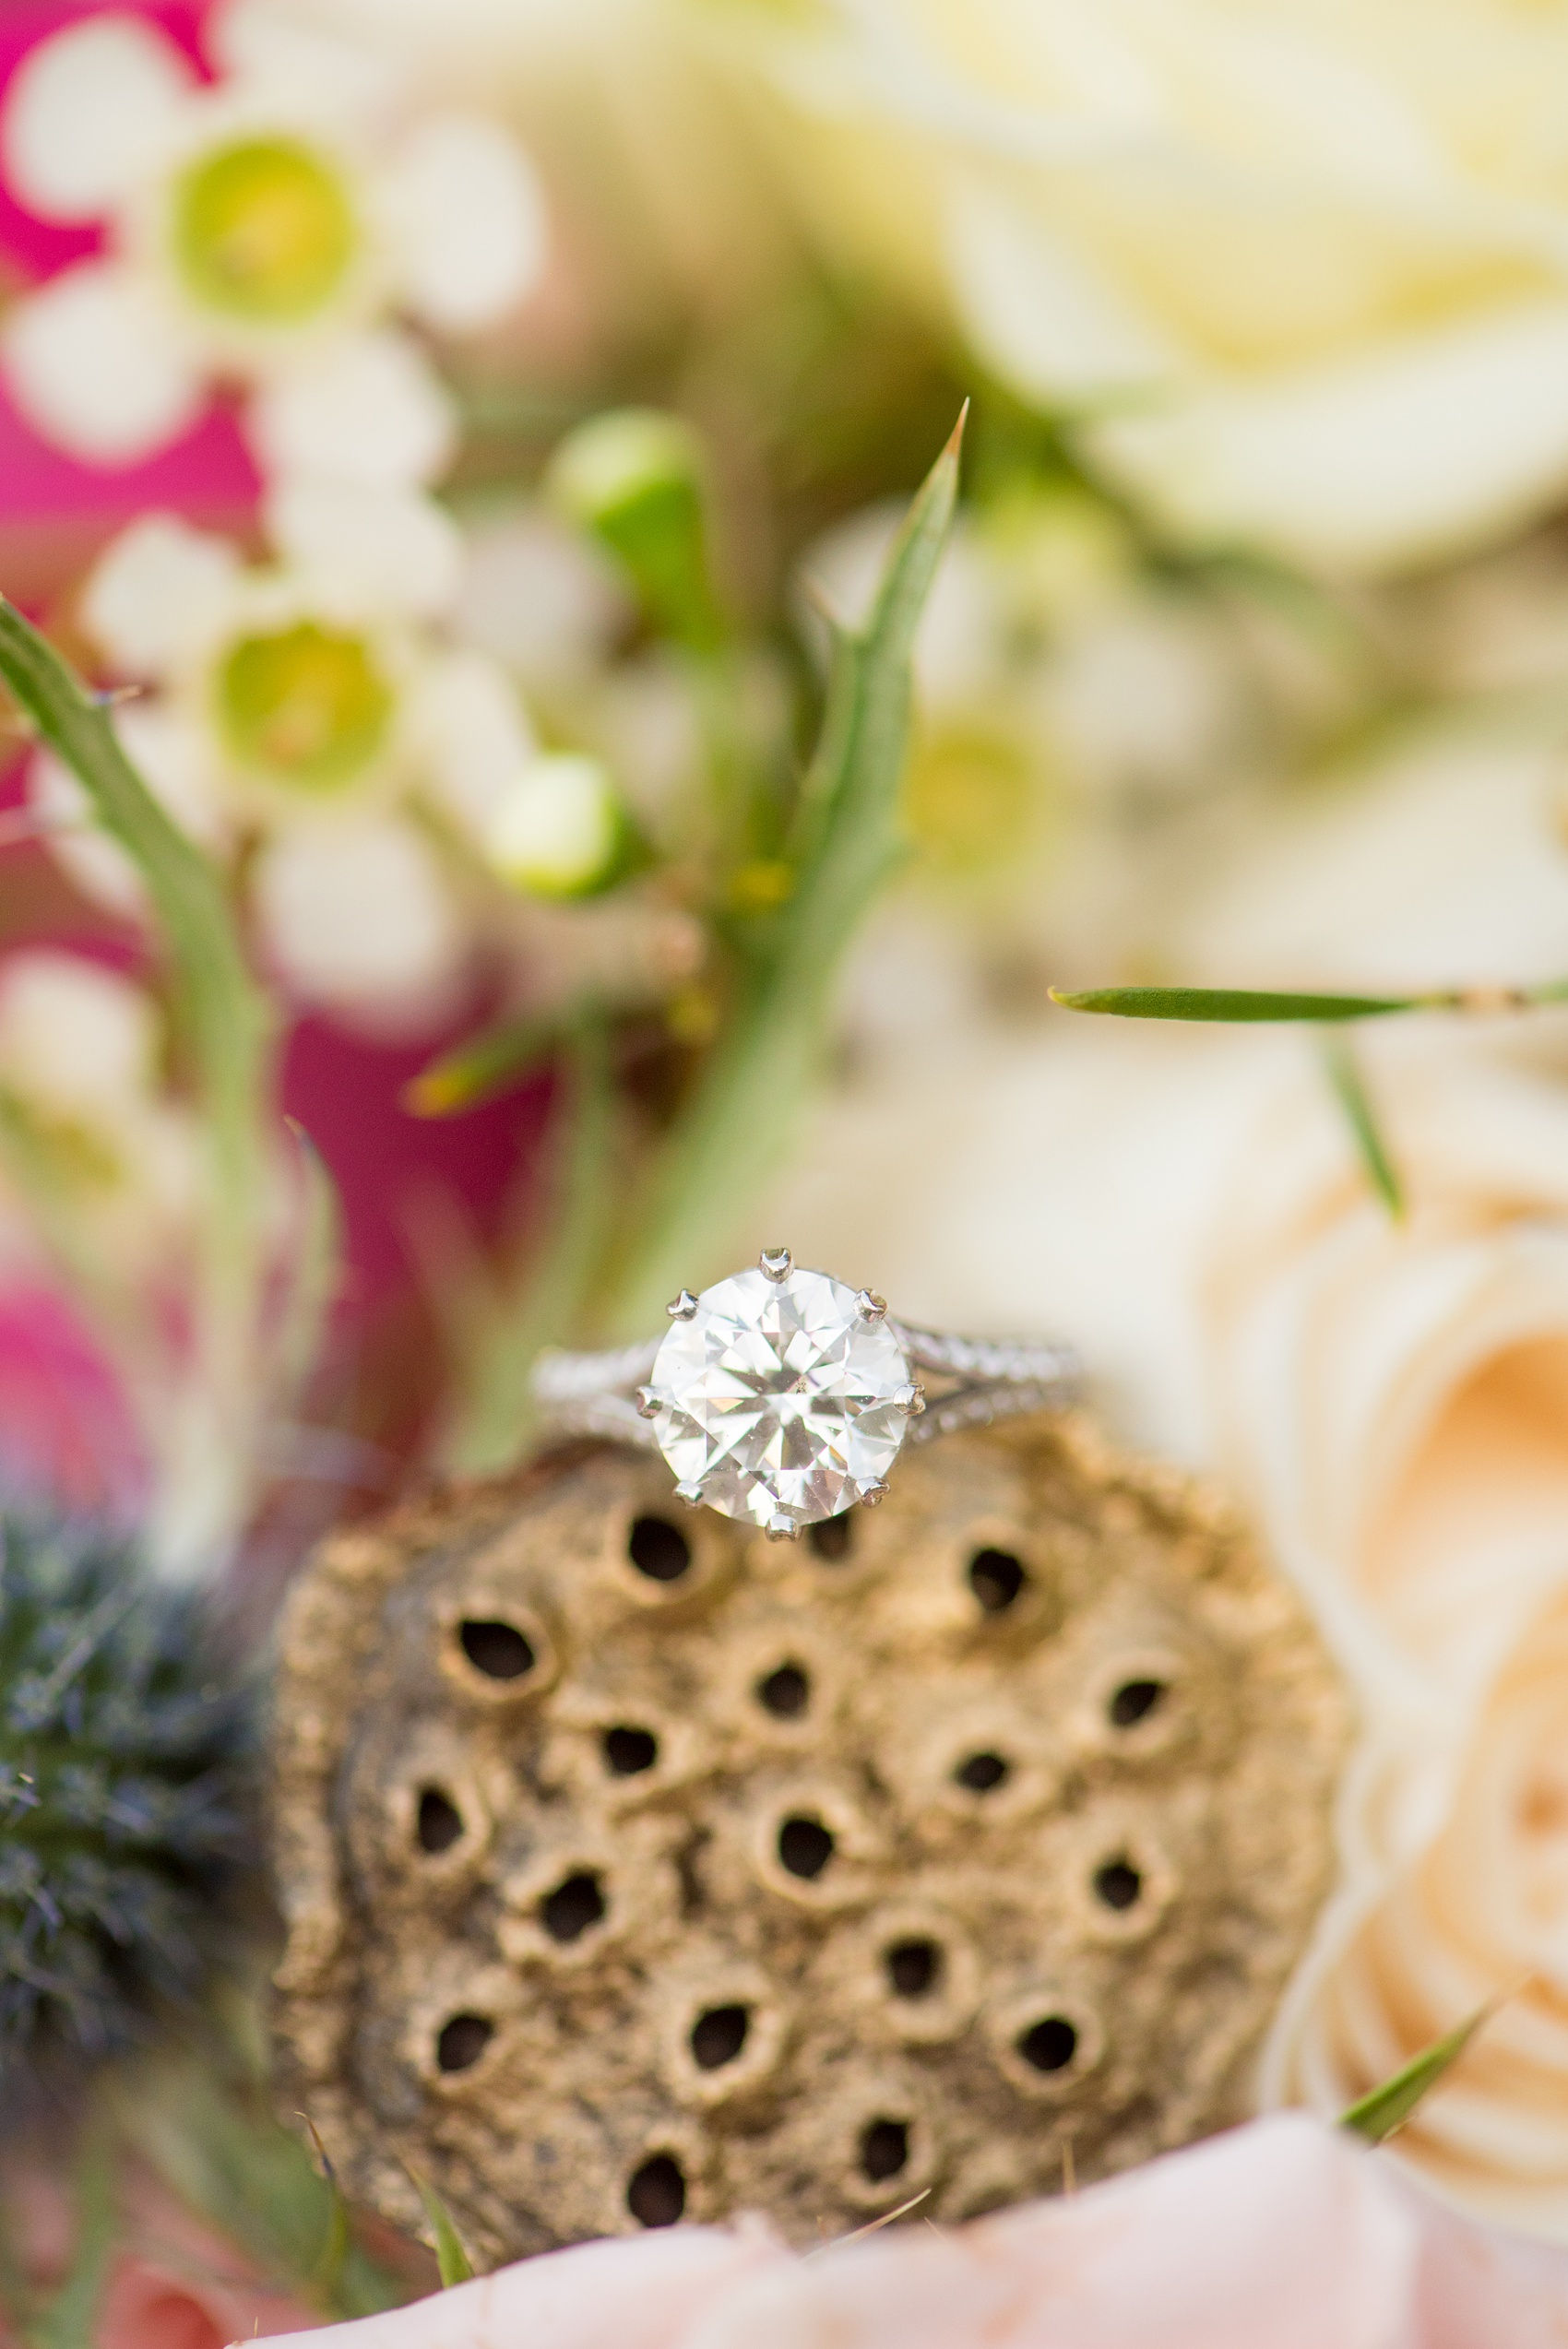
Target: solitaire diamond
[[781, 1396]]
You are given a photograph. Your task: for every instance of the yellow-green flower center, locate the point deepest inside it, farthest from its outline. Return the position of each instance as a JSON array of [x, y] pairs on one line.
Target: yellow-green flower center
[[307, 707], [263, 231]]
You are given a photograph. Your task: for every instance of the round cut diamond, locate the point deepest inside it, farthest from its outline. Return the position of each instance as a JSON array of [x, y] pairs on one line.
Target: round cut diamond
[[781, 1398]]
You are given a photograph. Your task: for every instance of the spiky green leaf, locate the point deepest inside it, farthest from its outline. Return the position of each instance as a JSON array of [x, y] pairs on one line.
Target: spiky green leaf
[[1229, 1003], [1377, 2115], [451, 2258], [845, 841]]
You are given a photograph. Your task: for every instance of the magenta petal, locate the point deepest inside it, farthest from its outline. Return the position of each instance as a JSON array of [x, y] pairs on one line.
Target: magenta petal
[[67, 1435]]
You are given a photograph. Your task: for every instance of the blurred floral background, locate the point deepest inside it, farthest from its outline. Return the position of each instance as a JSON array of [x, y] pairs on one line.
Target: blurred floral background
[[449, 443]]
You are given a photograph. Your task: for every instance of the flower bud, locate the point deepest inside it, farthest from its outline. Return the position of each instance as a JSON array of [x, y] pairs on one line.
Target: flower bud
[[560, 829], [634, 479]]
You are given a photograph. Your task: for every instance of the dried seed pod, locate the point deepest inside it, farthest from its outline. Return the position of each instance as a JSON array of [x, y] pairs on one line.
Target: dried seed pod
[[638, 1868]]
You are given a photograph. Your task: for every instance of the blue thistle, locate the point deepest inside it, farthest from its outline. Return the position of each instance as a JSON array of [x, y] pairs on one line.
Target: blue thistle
[[122, 1824]]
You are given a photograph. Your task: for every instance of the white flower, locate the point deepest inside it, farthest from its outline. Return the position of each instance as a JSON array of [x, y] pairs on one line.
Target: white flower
[[263, 230], [107, 1165], [1311, 265], [305, 710]]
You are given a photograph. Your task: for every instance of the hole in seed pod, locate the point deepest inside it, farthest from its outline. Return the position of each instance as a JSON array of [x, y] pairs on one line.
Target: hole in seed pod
[[1049, 2044], [995, 1577], [885, 2150], [785, 1693], [1118, 1883], [462, 2041], [805, 1846], [656, 2194], [575, 1905], [658, 1549], [498, 1650], [980, 1772], [833, 1538], [1134, 1700], [914, 1968], [718, 2036], [627, 1751], [440, 1821]]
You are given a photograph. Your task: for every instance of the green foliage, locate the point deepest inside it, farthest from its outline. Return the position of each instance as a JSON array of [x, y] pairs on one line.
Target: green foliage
[[1228, 1004], [844, 844], [68, 2321], [1350, 1086], [451, 2258], [1241, 1004], [484, 1064], [1377, 2115], [122, 1833], [216, 2144], [224, 1014]]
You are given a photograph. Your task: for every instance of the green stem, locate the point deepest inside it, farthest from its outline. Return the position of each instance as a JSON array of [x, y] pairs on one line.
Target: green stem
[[500, 1417]]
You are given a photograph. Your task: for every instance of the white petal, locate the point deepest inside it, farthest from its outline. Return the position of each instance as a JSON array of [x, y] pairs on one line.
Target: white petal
[[95, 369], [278, 51], [74, 1035], [474, 736], [556, 830], [467, 215], [539, 597], [97, 865], [85, 113], [371, 410], [357, 915], [157, 591], [1399, 455], [380, 545]]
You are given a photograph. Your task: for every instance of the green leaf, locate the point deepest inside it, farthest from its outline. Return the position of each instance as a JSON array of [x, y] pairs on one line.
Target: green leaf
[[486, 1065], [1377, 2115], [455, 2265], [1231, 1003], [225, 2155], [1349, 1085], [846, 842], [223, 1011], [326, 2275], [69, 2320], [315, 1256]]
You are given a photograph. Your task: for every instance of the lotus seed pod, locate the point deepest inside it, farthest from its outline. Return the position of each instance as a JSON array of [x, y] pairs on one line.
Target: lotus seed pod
[[636, 1868]]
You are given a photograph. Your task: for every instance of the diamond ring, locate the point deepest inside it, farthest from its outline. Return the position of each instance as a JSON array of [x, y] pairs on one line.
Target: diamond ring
[[784, 1396]]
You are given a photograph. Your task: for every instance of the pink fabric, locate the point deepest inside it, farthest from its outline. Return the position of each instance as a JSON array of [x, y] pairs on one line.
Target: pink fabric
[[208, 474], [1284, 2235], [67, 1435]]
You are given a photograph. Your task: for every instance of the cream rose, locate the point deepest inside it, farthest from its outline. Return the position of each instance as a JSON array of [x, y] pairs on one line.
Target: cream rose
[[1390, 1398], [1307, 265]]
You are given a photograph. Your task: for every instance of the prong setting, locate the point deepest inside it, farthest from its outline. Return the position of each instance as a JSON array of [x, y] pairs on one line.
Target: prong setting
[[691, 1494], [781, 1527], [869, 1305], [776, 1263], [874, 1496], [647, 1402], [681, 1307], [911, 1398]]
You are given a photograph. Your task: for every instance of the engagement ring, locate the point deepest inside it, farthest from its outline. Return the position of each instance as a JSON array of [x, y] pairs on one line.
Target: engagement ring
[[785, 1396]]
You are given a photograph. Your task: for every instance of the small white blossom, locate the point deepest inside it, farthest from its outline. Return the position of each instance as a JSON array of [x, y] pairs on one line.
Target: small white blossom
[[305, 712], [558, 830], [267, 230]]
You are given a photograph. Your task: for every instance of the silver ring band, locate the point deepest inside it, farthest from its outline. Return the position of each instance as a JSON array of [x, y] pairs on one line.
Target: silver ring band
[[992, 1378], [815, 1378]]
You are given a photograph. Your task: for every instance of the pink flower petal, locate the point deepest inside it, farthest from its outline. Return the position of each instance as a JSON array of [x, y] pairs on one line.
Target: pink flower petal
[[641, 2295]]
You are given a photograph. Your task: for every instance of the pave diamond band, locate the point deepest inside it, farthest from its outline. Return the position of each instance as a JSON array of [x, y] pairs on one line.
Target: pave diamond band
[[783, 1396]]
